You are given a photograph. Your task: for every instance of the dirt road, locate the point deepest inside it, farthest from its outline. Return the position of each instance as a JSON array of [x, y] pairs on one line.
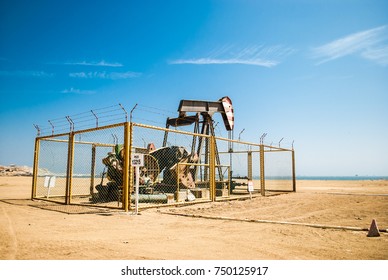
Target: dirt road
[[31, 232]]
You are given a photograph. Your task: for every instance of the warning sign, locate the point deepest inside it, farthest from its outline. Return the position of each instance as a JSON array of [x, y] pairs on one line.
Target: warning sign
[[137, 160]]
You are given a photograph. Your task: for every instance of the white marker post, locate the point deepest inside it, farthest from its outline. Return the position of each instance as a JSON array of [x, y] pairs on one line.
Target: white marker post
[[250, 188], [137, 161]]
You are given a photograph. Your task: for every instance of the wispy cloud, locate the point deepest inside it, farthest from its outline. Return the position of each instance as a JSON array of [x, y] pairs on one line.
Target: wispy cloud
[[371, 44], [252, 55], [78, 91], [105, 75], [199, 61], [378, 54], [101, 63], [34, 74]]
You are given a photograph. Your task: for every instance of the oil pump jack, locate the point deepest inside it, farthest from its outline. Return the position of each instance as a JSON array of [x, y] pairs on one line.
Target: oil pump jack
[[204, 111], [166, 158]]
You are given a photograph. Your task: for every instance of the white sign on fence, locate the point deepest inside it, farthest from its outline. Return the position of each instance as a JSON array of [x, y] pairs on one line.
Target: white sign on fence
[[137, 160], [250, 186], [49, 182]]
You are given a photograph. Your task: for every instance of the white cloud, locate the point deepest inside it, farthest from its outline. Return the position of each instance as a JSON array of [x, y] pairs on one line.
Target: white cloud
[[105, 75], [78, 75], [257, 62], [371, 44], [78, 91], [252, 55], [377, 54], [123, 75], [35, 74], [101, 63]]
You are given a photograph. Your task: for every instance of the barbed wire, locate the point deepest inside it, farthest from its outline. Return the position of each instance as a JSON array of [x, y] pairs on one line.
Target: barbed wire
[[156, 110], [142, 113], [89, 119]]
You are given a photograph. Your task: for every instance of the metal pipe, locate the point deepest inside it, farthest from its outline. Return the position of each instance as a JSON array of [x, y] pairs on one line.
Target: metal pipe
[[144, 198], [171, 130], [76, 142], [273, 222]]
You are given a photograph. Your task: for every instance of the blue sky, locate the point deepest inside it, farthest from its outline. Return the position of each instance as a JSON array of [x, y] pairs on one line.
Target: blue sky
[[313, 72]]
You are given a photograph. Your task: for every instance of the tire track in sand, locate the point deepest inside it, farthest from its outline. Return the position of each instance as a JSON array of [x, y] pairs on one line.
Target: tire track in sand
[[8, 243]]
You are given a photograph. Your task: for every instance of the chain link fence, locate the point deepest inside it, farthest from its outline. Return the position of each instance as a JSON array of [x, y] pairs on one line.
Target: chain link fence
[[175, 170], [92, 167], [279, 171], [92, 180], [239, 165], [51, 153]]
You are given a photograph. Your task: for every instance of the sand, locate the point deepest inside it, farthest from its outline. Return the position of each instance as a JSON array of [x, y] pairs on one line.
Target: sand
[[31, 232]]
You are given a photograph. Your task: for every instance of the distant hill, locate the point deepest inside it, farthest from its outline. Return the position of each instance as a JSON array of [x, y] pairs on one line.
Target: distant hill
[[14, 170]]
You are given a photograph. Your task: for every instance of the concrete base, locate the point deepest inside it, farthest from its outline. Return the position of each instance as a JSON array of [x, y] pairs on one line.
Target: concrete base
[[223, 193], [205, 193], [180, 196]]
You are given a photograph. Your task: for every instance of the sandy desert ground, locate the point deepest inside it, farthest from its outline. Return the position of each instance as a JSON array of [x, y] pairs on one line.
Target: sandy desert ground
[[30, 232]]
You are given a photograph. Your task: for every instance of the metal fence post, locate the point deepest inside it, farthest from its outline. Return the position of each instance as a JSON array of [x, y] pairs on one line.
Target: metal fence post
[[250, 166], [262, 175], [93, 169], [127, 163], [131, 171], [35, 168], [293, 171], [212, 167], [69, 176], [177, 182]]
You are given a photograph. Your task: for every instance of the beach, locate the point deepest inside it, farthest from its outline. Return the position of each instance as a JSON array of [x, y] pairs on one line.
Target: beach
[[276, 227]]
